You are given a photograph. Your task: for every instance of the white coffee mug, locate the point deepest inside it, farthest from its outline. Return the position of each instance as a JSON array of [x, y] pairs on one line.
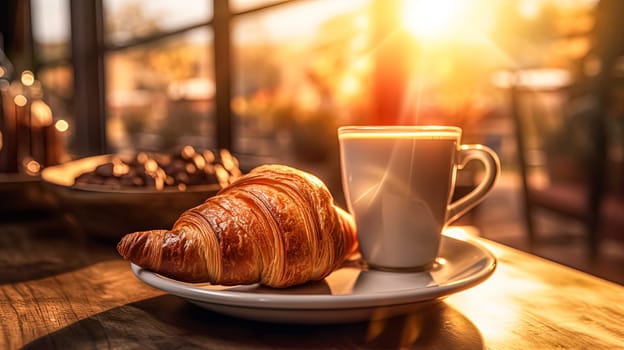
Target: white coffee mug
[[398, 183]]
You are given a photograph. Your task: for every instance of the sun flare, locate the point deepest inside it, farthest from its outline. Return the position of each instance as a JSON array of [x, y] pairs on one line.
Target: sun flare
[[431, 19]]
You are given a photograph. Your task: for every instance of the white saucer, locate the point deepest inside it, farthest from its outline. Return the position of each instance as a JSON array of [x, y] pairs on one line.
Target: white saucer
[[351, 293]]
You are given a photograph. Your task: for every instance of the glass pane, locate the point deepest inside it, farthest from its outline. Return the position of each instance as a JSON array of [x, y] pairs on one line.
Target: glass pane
[[51, 28], [161, 95], [126, 20], [298, 69]]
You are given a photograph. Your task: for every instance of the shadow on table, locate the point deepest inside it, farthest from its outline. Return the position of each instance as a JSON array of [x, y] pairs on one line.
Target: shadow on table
[[39, 247], [169, 322]]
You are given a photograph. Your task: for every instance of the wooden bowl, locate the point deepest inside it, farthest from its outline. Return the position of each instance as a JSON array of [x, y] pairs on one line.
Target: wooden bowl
[[111, 213]]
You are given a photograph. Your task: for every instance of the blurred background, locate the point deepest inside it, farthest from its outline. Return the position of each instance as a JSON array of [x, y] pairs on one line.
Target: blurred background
[[539, 81]]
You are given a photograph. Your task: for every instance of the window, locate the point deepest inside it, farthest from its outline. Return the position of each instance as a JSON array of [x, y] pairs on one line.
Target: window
[[292, 76], [272, 79]]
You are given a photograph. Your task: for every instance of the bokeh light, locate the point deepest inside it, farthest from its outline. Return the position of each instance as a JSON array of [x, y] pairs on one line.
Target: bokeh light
[[28, 78], [61, 125], [20, 100]]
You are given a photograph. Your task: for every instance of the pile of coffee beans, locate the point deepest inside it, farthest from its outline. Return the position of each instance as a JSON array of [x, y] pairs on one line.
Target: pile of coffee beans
[[179, 169]]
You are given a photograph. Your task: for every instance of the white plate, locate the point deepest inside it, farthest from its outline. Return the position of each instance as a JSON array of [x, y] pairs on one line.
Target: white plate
[[351, 293]]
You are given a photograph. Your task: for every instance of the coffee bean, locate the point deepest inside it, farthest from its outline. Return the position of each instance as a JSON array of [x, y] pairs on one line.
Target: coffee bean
[[182, 168]]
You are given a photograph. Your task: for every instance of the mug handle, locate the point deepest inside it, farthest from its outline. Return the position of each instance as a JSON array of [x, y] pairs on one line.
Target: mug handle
[[485, 155]]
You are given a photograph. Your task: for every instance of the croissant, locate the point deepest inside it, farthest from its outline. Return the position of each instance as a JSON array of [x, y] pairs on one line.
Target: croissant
[[277, 226]]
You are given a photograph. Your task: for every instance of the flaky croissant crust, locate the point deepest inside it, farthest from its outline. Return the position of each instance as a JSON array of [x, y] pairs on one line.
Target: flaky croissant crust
[[277, 226]]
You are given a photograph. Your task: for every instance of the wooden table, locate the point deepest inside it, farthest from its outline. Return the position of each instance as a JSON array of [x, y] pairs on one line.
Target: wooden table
[[59, 290]]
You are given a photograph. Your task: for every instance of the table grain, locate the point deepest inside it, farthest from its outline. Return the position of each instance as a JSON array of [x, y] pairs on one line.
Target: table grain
[[59, 290]]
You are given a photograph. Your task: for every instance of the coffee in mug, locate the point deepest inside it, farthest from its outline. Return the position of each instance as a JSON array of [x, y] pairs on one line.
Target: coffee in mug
[[398, 183]]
